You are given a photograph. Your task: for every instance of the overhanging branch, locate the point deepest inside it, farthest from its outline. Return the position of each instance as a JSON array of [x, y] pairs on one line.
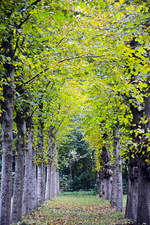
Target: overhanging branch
[[37, 75], [28, 16], [80, 57]]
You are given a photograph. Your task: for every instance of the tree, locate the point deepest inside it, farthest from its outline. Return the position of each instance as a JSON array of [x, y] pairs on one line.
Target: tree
[[9, 45], [19, 167], [105, 175], [117, 188]]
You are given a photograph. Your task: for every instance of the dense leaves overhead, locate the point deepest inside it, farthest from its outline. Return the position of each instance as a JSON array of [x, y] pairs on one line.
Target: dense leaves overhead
[[68, 53], [67, 59]]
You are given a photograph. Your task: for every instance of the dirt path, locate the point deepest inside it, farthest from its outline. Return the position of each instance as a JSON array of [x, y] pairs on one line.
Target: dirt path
[[76, 210]]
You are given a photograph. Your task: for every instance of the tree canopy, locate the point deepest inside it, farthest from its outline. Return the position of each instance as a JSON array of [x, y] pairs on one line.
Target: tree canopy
[[68, 59]]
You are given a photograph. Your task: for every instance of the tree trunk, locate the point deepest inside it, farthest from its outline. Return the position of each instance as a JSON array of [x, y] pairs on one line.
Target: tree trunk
[[117, 190], [44, 181], [138, 204], [7, 146], [105, 184], [40, 183], [132, 196], [133, 174], [48, 183], [34, 186], [105, 176], [58, 183], [53, 181], [27, 200], [143, 211], [41, 167], [19, 169]]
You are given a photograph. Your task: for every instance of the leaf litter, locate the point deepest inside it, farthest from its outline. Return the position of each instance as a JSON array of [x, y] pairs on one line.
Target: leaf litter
[[76, 210]]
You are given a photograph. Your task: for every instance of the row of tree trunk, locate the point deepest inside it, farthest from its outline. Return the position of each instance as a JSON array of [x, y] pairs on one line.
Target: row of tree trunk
[[30, 179], [34, 182], [110, 176]]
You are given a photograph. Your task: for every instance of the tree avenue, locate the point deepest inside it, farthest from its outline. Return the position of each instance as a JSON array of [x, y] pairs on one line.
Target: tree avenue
[[74, 59]]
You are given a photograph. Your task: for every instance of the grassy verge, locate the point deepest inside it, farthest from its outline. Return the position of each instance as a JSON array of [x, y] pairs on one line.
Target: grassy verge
[[76, 209]]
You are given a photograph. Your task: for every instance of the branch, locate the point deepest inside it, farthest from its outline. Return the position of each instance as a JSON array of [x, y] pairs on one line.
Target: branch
[[63, 38], [67, 59], [80, 57], [25, 19], [35, 76], [34, 3], [60, 42], [16, 46], [53, 83]]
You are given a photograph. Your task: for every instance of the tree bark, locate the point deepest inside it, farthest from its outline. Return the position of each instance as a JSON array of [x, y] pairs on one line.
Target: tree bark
[[58, 183], [48, 183], [138, 204], [105, 184], [53, 181], [41, 166], [133, 174], [53, 172], [34, 183], [19, 169], [105, 176], [143, 210], [7, 146], [117, 190], [27, 200], [40, 183], [44, 181], [133, 184]]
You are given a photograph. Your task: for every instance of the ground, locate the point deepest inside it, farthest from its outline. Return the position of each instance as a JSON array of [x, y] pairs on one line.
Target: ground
[[76, 209]]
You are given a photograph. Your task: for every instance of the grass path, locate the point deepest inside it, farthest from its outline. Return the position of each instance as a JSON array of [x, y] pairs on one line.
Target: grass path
[[75, 209]]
